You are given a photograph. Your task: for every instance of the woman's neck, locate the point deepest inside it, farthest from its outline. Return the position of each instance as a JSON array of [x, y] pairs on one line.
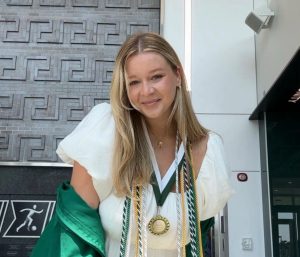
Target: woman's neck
[[161, 135], [160, 130]]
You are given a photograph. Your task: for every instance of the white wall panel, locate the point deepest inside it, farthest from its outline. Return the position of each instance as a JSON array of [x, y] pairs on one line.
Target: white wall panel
[[276, 46], [245, 219], [241, 139], [223, 57], [224, 93], [173, 25]]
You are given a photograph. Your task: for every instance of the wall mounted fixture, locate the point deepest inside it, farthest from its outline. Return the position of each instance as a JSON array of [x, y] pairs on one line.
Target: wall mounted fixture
[[296, 97], [259, 19]]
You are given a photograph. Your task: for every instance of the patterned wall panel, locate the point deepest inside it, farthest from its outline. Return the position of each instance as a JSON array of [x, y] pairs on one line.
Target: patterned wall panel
[[56, 62]]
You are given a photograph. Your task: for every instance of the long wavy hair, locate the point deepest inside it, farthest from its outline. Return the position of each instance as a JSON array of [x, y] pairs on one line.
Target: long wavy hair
[[131, 159]]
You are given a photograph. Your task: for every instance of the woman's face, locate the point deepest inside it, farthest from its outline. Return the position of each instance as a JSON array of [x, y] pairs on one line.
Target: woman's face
[[151, 85]]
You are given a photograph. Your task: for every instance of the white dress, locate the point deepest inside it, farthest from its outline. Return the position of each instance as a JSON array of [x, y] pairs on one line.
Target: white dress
[[91, 145]]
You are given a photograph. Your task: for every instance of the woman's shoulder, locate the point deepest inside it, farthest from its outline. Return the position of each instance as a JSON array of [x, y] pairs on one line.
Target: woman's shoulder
[[91, 144], [102, 108], [95, 131], [98, 121], [97, 114], [214, 137], [215, 145]]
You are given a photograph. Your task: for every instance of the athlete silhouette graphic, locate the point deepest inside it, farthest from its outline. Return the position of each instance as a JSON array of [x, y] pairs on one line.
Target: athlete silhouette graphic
[[28, 219]]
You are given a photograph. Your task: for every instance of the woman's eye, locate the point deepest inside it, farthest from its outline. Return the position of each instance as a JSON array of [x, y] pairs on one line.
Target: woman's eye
[[157, 77], [134, 82]]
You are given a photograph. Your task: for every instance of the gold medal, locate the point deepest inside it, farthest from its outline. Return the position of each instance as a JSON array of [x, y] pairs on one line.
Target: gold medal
[[158, 225]]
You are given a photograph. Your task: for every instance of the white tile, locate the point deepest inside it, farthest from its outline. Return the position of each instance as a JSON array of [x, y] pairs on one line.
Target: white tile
[[241, 139]]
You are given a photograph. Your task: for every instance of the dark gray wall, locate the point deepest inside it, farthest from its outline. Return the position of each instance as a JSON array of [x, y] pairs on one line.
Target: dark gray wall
[[56, 61]]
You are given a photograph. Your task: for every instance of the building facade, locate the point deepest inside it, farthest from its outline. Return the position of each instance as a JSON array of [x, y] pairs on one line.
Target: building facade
[[56, 59]]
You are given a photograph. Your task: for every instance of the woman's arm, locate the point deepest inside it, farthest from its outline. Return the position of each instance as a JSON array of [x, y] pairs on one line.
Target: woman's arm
[[83, 185]]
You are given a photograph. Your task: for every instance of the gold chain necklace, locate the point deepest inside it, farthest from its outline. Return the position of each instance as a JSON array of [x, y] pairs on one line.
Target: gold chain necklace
[[159, 225], [159, 142]]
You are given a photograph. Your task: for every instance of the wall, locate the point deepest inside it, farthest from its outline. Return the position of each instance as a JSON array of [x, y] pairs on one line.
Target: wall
[[276, 46], [245, 218], [56, 61], [224, 95], [173, 25]]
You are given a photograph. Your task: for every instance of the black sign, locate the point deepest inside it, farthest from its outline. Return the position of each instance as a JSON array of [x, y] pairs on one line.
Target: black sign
[[27, 203], [29, 218]]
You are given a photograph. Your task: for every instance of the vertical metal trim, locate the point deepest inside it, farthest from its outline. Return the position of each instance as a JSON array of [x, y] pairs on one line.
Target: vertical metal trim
[[220, 244], [267, 210], [188, 42], [217, 235], [162, 17], [226, 239]]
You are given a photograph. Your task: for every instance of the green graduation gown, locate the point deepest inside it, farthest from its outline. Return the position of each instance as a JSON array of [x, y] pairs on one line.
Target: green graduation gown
[[75, 229]]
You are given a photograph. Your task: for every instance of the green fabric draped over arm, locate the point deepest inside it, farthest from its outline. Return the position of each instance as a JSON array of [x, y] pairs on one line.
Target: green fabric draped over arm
[[75, 229]]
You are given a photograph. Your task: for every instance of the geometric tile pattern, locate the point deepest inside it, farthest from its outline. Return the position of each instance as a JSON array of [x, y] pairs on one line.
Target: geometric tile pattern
[[56, 62]]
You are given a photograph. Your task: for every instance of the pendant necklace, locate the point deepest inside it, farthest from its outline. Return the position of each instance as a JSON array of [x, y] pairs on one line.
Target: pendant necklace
[[159, 225], [160, 144]]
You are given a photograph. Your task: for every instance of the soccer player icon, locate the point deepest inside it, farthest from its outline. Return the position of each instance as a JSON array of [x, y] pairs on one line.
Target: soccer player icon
[[28, 219]]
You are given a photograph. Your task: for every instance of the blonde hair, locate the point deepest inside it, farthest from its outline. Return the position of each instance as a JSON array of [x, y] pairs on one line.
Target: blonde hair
[[131, 161]]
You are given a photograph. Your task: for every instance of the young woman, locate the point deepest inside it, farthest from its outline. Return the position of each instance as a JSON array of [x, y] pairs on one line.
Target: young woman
[[144, 162]]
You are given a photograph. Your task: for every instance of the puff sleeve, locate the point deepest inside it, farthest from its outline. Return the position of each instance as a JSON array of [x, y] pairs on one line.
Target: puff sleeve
[[91, 145], [213, 182]]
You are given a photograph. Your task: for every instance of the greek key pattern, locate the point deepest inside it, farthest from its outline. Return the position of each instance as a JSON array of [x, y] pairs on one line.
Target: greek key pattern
[[46, 108], [38, 143], [86, 3], [56, 63], [31, 147], [68, 31], [55, 68]]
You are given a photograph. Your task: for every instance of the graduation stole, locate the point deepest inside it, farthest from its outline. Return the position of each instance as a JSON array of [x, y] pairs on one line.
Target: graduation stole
[[185, 176]]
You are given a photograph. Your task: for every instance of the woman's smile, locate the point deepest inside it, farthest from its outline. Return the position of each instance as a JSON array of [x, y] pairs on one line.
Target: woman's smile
[[150, 102]]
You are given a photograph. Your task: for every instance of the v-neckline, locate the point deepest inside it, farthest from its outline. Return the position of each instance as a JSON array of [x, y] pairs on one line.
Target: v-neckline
[[163, 182], [161, 195], [162, 186]]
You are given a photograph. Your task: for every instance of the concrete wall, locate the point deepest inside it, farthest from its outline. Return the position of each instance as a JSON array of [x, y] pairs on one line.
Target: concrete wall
[[276, 46]]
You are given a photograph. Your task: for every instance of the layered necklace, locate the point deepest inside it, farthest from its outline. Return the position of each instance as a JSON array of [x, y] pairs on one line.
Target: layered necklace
[[158, 225]]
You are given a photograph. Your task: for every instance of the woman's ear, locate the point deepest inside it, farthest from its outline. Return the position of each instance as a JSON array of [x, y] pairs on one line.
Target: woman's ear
[[178, 74]]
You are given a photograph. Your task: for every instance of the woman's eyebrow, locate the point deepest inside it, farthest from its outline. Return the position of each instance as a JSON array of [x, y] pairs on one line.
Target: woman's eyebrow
[[155, 70], [133, 76]]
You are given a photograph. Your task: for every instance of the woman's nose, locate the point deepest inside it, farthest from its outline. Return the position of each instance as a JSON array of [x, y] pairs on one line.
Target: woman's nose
[[147, 88]]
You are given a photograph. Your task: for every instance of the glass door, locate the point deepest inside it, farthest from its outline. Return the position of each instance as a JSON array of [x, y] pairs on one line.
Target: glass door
[[286, 224], [283, 144]]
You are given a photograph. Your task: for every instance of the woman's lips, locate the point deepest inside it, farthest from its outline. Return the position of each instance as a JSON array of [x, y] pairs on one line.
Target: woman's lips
[[150, 102]]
